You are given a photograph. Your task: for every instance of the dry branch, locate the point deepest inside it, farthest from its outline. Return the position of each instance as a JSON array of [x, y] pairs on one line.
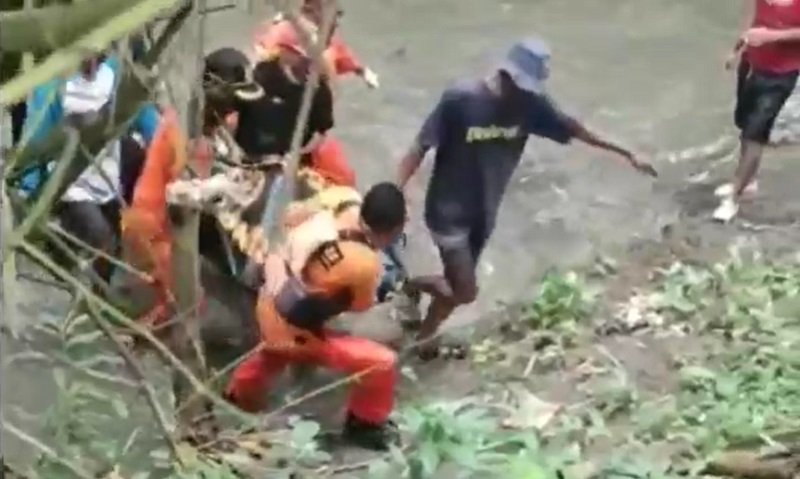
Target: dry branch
[[44, 29], [751, 465]]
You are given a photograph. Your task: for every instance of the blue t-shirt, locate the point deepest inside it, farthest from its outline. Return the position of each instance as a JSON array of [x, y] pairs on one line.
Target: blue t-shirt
[[479, 141]]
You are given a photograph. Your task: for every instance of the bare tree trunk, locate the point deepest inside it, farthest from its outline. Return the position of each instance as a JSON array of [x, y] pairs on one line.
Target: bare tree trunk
[[185, 335]]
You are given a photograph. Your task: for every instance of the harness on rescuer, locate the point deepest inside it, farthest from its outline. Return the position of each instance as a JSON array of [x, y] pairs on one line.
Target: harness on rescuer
[[306, 309]]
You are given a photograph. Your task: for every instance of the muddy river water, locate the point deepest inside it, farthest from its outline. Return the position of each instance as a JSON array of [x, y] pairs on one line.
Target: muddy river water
[[647, 72]]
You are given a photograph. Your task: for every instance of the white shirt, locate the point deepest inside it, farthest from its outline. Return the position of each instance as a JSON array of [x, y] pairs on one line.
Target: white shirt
[[83, 96]]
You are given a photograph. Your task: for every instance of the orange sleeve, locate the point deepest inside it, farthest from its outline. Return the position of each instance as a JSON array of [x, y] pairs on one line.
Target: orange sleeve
[[343, 59]]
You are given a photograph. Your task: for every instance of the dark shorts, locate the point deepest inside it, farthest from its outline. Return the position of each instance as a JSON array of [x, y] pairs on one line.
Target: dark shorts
[[760, 96], [132, 156], [95, 224], [460, 248]]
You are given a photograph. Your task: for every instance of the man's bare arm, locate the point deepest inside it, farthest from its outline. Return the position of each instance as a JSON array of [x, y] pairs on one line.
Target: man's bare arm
[[410, 164], [582, 133]]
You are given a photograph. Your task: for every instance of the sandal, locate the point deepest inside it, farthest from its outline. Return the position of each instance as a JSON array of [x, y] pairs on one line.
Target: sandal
[[452, 350]]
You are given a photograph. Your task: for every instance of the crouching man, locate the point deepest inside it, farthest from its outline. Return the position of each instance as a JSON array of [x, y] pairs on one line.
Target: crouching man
[[330, 264]]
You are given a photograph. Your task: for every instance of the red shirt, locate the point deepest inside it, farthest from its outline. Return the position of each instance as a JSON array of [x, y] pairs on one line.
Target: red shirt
[[782, 57]]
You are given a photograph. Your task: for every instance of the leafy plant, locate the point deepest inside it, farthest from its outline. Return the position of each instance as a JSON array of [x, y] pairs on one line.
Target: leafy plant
[[465, 437], [563, 301]]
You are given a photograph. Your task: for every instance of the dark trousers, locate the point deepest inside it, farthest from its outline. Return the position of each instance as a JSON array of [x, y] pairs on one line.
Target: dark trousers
[[760, 96], [132, 156], [18, 112], [97, 225]]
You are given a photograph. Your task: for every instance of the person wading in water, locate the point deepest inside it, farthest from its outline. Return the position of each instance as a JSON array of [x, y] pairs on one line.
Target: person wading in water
[[767, 76], [479, 129]]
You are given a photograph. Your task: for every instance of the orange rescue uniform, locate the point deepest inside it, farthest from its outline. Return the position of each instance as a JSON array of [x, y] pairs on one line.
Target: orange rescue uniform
[[344, 265], [145, 223]]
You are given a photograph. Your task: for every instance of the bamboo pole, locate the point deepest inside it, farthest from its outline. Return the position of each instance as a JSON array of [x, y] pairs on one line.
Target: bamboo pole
[[67, 59], [185, 340], [132, 93], [49, 28]]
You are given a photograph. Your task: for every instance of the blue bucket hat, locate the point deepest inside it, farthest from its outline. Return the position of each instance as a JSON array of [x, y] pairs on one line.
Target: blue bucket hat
[[527, 64]]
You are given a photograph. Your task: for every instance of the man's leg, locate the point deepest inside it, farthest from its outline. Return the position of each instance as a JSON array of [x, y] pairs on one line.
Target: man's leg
[[749, 162], [459, 287], [247, 388], [19, 113], [372, 393], [132, 156], [758, 104], [87, 222]]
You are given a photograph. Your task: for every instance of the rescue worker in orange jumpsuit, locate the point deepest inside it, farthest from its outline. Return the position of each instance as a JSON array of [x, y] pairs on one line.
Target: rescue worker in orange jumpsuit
[[329, 265], [145, 224]]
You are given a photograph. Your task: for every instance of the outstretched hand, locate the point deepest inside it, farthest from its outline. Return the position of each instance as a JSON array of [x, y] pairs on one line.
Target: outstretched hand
[[642, 166], [371, 78]]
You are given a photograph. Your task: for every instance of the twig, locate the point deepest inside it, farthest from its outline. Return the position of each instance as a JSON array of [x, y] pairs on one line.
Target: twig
[[80, 263], [99, 253], [42, 448], [44, 281], [159, 347], [529, 367], [138, 374], [356, 466], [312, 82], [51, 189], [88, 372], [228, 368]]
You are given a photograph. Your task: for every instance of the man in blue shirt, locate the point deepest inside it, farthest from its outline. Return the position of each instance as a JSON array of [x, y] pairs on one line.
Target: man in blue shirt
[[479, 129]]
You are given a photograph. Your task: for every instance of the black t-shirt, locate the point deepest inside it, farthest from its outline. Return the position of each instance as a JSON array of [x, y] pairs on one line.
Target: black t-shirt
[[266, 125]]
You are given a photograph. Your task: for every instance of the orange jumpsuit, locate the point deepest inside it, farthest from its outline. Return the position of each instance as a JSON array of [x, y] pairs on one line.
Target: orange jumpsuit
[[355, 268], [145, 223]]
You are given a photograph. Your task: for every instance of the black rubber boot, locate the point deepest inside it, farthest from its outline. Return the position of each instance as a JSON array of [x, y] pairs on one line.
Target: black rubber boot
[[375, 437]]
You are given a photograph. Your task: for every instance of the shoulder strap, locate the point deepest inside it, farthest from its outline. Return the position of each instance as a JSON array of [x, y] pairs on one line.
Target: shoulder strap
[[329, 253], [355, 235]]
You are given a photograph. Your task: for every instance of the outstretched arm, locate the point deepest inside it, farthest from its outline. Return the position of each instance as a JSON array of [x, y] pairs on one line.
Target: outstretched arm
[[582, 133], [548, 121]]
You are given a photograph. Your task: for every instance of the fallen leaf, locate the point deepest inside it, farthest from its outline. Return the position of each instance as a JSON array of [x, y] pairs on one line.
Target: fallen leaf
[[530, 412]]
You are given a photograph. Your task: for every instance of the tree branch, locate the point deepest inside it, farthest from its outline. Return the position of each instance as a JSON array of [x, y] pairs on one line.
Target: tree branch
[[138, 374], [43, 449], [44, 29]]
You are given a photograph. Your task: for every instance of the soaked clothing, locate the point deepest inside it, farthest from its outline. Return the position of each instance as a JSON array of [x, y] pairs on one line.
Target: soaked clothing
[[265, 126], [760, 96], [343, 270], [767, 74], [479, 143]]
